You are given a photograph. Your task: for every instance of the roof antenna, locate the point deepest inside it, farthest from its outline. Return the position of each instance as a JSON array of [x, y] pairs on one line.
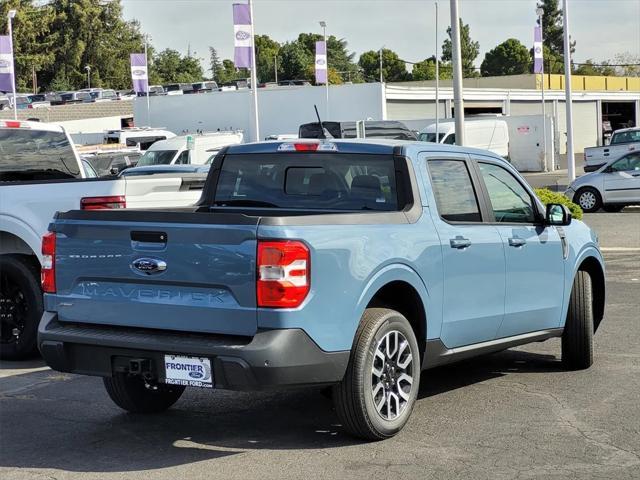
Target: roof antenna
[[323, 131]]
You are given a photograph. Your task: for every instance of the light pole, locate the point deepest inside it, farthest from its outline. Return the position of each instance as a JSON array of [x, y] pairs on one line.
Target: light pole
[[381, 77], [571, 159], [254, 77], [10, 16], [88, 69], [540, 12], [323, 24], [437, 82], [456, 59]]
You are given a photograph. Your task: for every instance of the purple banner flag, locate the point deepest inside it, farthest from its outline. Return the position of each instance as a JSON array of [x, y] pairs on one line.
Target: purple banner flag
[[321, 62], [139, 73], [242, 33], [6, 64], [538, 57]]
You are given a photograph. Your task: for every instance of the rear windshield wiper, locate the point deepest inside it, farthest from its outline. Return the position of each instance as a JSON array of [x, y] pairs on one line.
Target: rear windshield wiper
[[245, 203]]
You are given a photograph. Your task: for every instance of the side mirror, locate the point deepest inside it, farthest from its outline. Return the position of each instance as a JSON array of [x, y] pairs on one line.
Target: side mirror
[[557, 214]]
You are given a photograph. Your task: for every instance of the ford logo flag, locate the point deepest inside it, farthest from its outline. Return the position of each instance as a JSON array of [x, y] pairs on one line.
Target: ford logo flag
[[148, 266], [242, 35]]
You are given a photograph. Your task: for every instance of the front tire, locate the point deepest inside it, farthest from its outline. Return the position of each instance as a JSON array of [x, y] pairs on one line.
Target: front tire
[[375, 398], [589, 199], [577, 338], [20, 306], [131, 393]]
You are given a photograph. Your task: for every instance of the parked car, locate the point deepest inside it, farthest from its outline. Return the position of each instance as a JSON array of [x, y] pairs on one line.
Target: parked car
[[41, 173], [489, 134], [141, 137], [612, 187], [5, 103], [205, 87], [178, 88], [373, 129], [112, 163], [31, 101], [155, 90], [188, 149], [126, 95], [350, 264], [296, 83], [70, 97], [98, 95], [622, 141]]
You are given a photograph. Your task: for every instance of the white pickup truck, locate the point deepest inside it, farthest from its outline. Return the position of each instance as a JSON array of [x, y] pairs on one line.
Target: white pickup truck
[[40, 174], [622, 142]]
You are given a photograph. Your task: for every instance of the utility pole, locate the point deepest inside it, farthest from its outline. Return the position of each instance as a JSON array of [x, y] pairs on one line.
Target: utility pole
[[540, 12], [437, 82], [456, 58], [10, 17], [381, 78], [571, 159], [275, 67], [254, 77]]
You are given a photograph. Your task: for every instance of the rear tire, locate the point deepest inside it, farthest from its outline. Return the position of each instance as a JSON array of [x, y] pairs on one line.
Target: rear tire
[[21, 306], [377, 394], [589, 199], [577, 338], [130, 393]]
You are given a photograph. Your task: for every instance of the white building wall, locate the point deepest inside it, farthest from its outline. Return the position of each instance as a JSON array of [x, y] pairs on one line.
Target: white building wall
[[282, 110]]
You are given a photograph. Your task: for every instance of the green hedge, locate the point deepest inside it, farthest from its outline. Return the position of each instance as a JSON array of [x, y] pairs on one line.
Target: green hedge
[[547, 196]]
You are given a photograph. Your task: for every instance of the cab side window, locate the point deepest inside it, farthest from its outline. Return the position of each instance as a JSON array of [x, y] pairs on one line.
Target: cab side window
[[183, 158], [510, 202], [628, 163], [455, 196]]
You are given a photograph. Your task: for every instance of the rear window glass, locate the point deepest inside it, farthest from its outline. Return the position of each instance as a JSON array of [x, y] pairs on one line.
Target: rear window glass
[[36, 155], [325, 181], [454, 192]]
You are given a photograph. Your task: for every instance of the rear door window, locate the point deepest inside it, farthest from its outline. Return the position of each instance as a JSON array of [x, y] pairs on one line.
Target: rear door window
[[324, 181], [27, 154], [456, 197]]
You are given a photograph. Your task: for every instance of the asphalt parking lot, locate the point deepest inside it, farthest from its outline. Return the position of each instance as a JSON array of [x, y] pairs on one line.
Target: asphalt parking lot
[[514, 414]]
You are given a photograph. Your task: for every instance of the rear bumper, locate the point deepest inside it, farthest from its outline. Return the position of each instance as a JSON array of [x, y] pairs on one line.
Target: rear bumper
[[270, 359]]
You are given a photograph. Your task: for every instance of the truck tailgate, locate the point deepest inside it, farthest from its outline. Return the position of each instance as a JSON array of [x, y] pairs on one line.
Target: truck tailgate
[[164, 270]]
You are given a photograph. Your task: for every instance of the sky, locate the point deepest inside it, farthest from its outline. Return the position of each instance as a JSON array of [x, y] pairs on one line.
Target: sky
[[601, 28]]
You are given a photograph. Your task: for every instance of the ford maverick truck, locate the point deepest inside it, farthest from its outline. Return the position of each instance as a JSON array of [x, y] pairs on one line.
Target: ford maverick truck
[[354, 264]]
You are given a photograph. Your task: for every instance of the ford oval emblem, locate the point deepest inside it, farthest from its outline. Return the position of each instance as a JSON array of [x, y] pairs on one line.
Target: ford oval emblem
[[320, 61], [139, 73], [4, 63], [242, 35], [196, 375], [148, 266]]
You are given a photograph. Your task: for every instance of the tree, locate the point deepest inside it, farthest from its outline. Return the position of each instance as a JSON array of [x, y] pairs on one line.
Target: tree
[[393, 68], [294, 60], [171, 67], [630, 64], [215, 65], [426, 70], [469, 50], [553, 37], [509, 58], [591, 68], [266, 52]]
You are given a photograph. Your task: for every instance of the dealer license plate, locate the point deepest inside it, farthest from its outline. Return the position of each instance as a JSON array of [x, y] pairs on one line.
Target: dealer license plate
[[188, 371]]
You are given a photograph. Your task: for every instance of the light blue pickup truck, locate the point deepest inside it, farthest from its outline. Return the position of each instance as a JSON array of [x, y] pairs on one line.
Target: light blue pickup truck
[[351, 264]]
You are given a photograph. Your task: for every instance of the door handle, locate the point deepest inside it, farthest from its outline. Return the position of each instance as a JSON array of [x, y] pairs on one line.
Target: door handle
[[460, 242], [517, 242]]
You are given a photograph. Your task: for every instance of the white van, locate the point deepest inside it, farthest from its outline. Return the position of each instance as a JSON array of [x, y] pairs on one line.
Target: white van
[[192, 149], [489, 134]]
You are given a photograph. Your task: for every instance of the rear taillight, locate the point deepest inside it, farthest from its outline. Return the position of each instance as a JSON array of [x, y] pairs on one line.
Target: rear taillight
[[48, 272], [102, 203], [283, 273]]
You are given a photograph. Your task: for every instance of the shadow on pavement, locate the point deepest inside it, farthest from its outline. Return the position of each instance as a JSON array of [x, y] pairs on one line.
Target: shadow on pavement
[[71, 425]]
